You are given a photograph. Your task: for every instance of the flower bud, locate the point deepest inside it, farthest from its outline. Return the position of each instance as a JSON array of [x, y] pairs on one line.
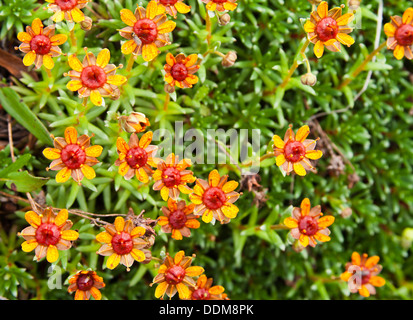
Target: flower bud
[[86, 24], [229, 59], [354, 4], [308, 79], [148, 256], [135, 122], [315, 2], [346, 212], [168, 88], [224, 19]]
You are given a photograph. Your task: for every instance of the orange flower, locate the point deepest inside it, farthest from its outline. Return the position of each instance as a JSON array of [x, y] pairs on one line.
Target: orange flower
[[73, 156], [328, 28], [136, 157], [40, 45], [135, 122], [215, 198], [48, 233], [172, 7], [172, 176], [205, 291], [178, 219], [122, 242], [86, 283], [176, 275], [368, 269], [294, 152], [67, 9], [220, 5], [400, 33], [180, 70], [306, 226], [147, 30], [94, 77]]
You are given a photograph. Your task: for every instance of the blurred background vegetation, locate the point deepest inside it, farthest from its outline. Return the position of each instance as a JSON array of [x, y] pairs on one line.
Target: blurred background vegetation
[[364, 178]]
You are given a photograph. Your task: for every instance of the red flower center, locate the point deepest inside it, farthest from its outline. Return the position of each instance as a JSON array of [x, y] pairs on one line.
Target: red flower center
[[168, 2], [41, 44], [48, 234], [365, 276], [177, 219], [214, 198], [66, 5], [85, 282], [219, 1], [73, 156], [146, 30], [179, 71], [308, 225], [294, 151], [175, 275], [136, 157], [93, 77], [171, 177], [201, 294], [404, 35], [327, 29], [122, 243]]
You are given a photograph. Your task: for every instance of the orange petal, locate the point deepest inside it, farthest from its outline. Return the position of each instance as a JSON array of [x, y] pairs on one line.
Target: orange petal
[[70, 135], [122, 146], [345, 19], [37, 26], [116, 80], [145, 140], [138, 232], [408, 16], [151, 10], [183, 291], [213, 178], [61, 217], [326, 221], [322, 9], [165, 193], [304, 240], [161, 289], [207, 216], [314, 154], [345, 39], [230, 6], [372, 261], [377, 281], [291, 222], [355, 258], [191, 60], [321, 237], [389, 29], [305, 207], [119, 224], [182, 7]]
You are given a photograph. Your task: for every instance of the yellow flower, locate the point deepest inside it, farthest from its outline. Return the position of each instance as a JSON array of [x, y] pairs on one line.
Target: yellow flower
[[147, 30], [295, 151], [73, 156], [40, 45], [180, 70], [328, 28], [400, 35], [215, 198], [94, 77], [48, 233], [67, 9]]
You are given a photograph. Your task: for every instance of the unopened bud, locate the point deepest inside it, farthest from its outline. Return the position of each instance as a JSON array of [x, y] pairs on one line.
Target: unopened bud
[[308, 79], [135, 122], [315, 2], [346, 212], [86, 24], [354, 4], [148, 256], [115, 94], [229, 59], [224, 19], [297, 246], [169, 89]]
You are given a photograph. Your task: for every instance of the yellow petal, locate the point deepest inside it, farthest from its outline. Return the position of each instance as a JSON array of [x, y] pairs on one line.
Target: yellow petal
[[408, 16], [88, 172], [207, 216], [75, 63], [128, 47], [170, 59], [377, 281], [77, 15], [216, 290], [63, 175], [51, 153], [211, 6], [322, 9], [389, 29], [128, 17], [319, 49], [191, 79], [291, 222], [363, 291], [37, 26], [309, 26], [116, 80], [119, 224], [230, 210], [24, 37], [183, 291], [194, 271], [195, 199], [321, 237], [345, 276], [61, 217], [176, 234], [52, 254], [113, 261], [165, 193], [48, 62], [398, 52], [149, 51], [145, 140], [304, 240], [305, 207], [326, 221], [29, 58], [74, 85], [95, 293], [96, 98], [94, 151], [160, 289], [70, 135], [123, 168], [345, 19], [58, 16], [179, 256], [299, 169], [182, 7], [58, 39], [345, 39], [103, 58], [372, 261], [229, 186], [314, 154], [29, 245], [279, 161], [213, 178], [121, 145], [138, 232], [355, 258], [138, 255], [151, 10], [104, 237], [302, 133], [70, 235], [278, 142], [166, 27], [230, 6]]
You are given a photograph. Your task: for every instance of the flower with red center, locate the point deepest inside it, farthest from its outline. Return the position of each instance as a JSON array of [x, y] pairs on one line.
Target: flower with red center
[[176, 275], [205, 291], [136, 157], [400, 35], [67, 9], [86, 283], [295, 151], [178, 219], [180, 70], [40, 45], [134, 122], [329, 28], [123, 243], [215, 198], [172, 176], [172, 7], [147, 30], [367, 271], [48, 233], [307, 226], [73, 156], [94, 77], [220, 5]]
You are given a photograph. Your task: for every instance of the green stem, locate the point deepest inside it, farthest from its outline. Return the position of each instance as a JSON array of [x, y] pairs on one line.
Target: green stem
[[131, 61], [208, 27], [166, 103], [73, 39], [295, 64]]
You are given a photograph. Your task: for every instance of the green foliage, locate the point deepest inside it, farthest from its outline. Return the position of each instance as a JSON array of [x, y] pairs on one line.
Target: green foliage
[[248, 257]]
